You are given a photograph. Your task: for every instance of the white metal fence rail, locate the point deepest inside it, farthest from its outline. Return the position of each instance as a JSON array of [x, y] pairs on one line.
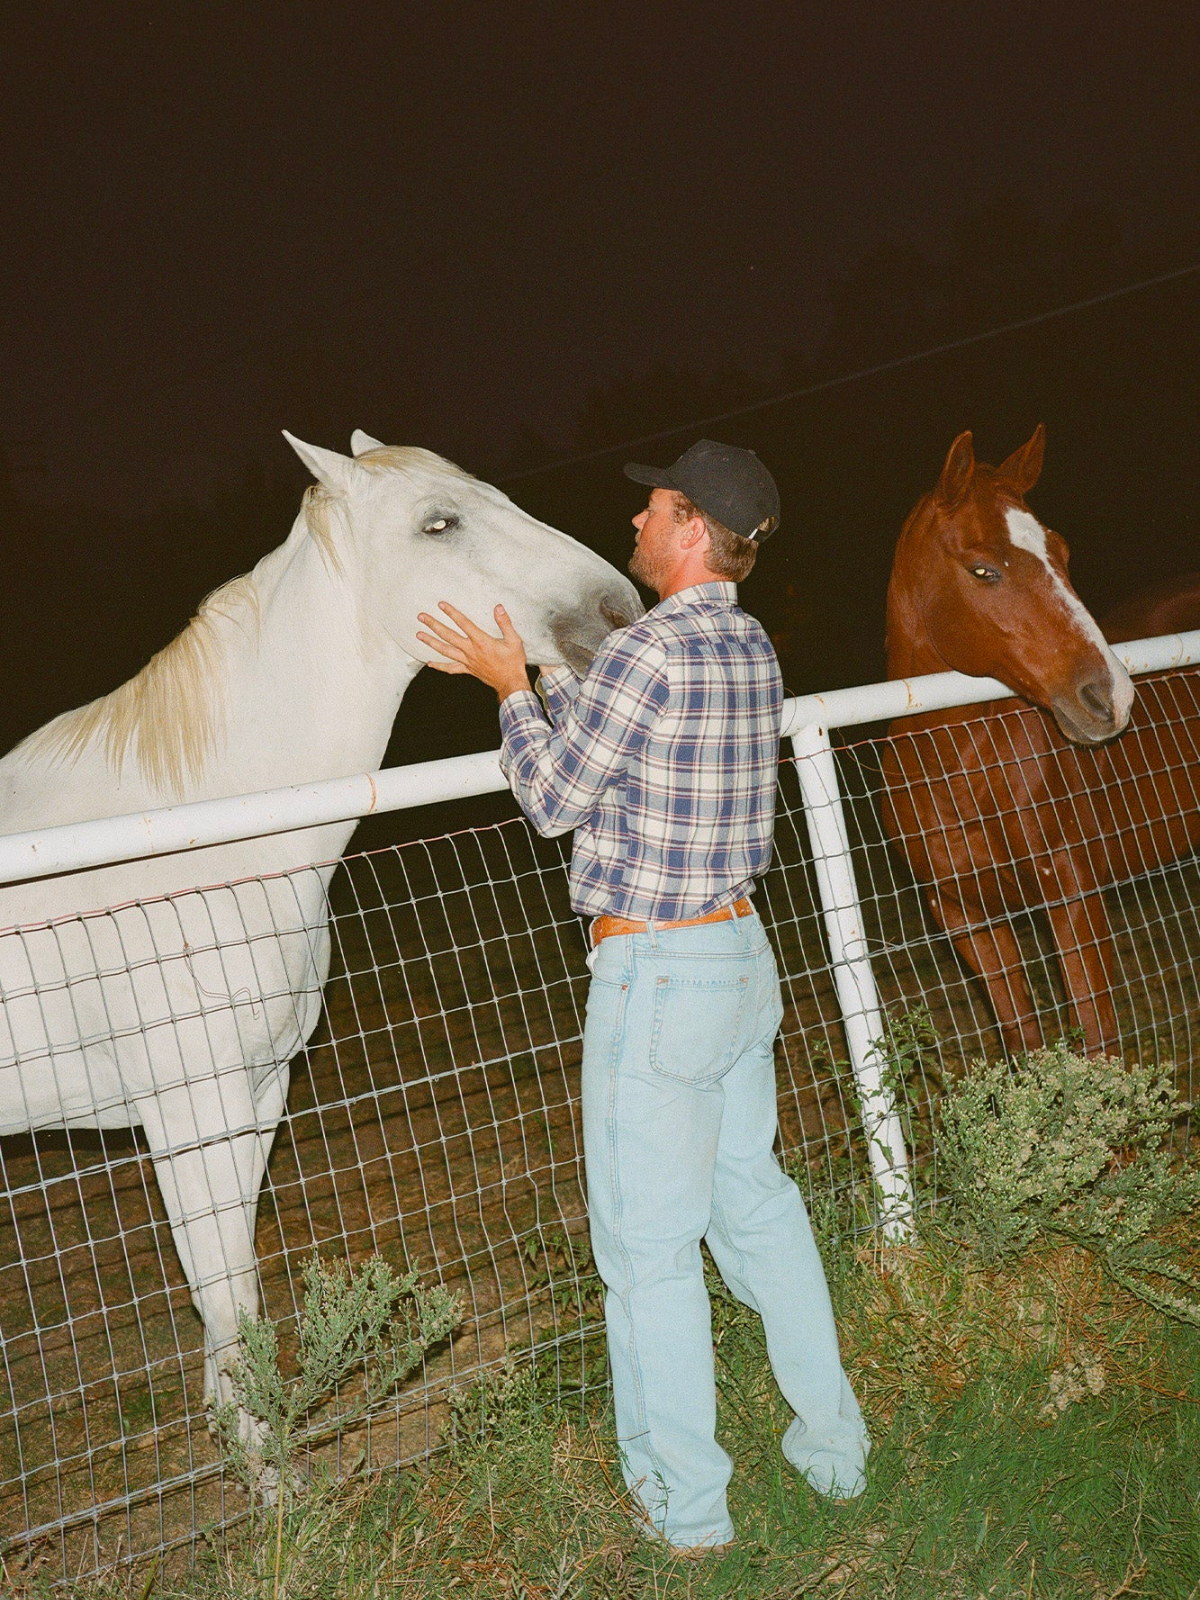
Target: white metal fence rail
[[433, 1115]]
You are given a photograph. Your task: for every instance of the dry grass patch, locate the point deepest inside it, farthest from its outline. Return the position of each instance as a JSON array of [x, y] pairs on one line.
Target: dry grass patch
[[924, 1322]]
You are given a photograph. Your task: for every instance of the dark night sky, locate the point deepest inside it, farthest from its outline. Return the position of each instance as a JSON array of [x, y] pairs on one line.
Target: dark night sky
[[476, 228], [445, 223]]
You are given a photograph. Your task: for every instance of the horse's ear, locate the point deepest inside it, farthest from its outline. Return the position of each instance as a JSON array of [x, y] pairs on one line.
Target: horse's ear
[[361, 442], [1024, 467], [957, 472], [338, 473]]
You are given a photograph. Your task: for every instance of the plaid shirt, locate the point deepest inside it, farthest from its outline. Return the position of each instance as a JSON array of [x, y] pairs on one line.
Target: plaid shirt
[[664, 759]]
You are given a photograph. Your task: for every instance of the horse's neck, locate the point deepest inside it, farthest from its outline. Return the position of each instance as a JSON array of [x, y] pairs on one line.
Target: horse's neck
[[311, 691], [910, 652], [908, 655]]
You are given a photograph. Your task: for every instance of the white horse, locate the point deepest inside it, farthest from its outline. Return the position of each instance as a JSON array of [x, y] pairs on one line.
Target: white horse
[[180, 1015]]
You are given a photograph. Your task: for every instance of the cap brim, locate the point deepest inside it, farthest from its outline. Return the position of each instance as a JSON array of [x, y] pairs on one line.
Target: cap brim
[[657, 477]]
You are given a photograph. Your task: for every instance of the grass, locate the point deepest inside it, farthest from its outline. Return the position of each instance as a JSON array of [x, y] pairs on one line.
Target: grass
[[1030, 1371], [1036, 1427]]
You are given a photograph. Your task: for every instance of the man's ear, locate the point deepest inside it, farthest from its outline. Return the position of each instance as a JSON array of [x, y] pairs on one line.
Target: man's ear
[[693, 531]]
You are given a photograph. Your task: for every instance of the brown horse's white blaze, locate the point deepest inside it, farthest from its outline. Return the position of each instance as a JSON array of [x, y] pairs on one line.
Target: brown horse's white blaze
[[1095, 703], [1001, 809]]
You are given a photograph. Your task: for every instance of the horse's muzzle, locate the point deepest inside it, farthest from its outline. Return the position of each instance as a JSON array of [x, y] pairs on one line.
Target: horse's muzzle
[[1096, 712]]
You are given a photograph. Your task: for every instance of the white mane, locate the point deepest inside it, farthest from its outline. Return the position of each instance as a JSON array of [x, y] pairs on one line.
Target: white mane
[[168, 716], [169, 713], [410, 458]]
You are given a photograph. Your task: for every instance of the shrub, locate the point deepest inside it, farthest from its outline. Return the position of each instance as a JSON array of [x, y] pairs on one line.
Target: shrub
[[1056, 1145], [499, 1406], [374, 1321]]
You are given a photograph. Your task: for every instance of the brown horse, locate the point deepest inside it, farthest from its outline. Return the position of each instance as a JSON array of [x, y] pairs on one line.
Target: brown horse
[[1001, 809]]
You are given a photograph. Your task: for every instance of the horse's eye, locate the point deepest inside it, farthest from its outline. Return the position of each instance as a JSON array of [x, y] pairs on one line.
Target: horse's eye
[[986, 574], [441, 525]]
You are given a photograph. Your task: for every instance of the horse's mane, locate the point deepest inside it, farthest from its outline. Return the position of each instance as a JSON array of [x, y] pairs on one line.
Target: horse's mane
[[408, 457], [169, 712]]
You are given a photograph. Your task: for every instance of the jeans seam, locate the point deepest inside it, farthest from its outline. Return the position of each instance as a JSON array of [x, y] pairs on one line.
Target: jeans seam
[[717, 1212], [718, 1217], [618, 1041]]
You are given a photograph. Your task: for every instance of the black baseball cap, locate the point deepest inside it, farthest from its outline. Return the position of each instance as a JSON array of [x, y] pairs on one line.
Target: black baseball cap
[[729, 484]]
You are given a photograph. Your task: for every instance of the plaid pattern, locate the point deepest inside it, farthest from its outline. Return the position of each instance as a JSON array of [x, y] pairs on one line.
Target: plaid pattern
[[664, 759]]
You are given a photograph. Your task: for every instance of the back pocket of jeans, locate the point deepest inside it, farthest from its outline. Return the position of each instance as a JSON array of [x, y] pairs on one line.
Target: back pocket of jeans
[[699, 1024]]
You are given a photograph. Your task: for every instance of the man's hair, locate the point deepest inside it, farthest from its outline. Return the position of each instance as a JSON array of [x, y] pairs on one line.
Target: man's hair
[[729, 555]]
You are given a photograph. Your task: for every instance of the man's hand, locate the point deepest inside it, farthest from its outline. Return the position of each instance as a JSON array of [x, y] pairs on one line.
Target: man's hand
[[500, 663]]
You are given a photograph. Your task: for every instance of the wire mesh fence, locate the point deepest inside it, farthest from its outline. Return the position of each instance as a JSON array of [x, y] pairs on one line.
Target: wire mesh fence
[[1085, 881], [433, 1116]]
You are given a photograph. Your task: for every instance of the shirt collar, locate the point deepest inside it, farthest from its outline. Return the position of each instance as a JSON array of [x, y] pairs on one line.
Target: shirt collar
[[718, 593]]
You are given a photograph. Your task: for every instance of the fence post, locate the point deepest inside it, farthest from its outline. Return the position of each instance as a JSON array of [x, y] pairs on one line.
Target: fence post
[[852, 973]]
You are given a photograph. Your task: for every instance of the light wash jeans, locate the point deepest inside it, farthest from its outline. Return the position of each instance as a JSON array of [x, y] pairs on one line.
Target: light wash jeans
[[679, 1120]]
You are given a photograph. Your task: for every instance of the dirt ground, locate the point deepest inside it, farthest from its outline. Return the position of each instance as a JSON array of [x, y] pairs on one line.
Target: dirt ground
[[434, 1117]]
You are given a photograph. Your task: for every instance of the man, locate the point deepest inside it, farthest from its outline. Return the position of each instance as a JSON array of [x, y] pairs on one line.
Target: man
[[664, 760]]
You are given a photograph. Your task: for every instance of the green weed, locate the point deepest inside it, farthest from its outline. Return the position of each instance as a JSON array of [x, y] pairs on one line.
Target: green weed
[[374, 1322], [1059, 1147]]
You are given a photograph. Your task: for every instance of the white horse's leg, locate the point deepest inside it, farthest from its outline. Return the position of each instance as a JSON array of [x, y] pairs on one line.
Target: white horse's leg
[[270, 1101], [209, 1141]]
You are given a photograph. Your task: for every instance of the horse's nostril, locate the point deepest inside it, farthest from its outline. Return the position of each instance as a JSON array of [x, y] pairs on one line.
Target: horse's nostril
[[1097, 701], [614, 618]]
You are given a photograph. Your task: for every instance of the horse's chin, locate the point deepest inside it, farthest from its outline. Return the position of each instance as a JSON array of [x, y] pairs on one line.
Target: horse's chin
[[1085, 730], [578, 638], [576, 656]]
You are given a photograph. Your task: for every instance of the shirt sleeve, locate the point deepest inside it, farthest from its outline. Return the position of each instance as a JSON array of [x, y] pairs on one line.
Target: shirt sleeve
[[557, 688], [559, 773]]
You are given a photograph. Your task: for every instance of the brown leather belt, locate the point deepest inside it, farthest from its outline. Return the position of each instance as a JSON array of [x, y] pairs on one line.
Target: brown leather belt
[[605, 927]]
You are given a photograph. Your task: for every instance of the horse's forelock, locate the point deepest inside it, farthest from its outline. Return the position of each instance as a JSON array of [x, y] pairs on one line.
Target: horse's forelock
[[318, 505], [982, 509]]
